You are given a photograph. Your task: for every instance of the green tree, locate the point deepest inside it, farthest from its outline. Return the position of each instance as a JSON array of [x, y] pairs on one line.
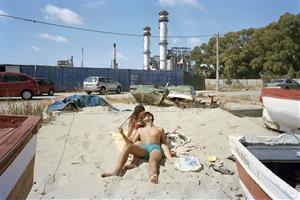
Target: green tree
[[273, 50]]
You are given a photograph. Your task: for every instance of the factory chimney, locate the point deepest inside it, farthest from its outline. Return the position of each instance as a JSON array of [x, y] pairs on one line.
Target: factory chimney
[[147, 52], [163, 43], [114, 64]]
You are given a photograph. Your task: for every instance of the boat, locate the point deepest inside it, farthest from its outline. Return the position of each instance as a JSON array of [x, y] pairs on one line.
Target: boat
[[281, 109], [183, 92], [149, 94], [266, 165], [17, 153]]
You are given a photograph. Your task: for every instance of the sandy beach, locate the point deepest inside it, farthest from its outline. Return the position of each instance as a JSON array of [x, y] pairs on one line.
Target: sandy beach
[[75, 148]]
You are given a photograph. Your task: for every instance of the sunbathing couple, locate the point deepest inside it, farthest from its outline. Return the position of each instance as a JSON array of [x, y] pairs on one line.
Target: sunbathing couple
[[144, 140]]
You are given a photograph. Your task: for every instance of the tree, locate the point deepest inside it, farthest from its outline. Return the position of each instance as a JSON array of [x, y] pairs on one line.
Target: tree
[[273, 50]]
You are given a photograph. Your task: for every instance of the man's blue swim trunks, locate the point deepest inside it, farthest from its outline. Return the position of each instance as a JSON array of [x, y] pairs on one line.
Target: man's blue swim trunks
[[151, 147]]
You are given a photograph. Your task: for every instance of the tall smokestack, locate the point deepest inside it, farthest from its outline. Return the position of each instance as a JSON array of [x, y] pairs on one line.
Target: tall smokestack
[[114, 60], [147, 52], [82, 64], [163, 43]]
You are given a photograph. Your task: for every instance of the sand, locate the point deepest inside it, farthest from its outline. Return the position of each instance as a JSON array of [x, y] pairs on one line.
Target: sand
[[75, 148]]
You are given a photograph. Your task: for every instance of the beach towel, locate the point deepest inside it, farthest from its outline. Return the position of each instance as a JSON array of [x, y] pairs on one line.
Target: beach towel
[[181, 144], [187, 163], [118, 140]]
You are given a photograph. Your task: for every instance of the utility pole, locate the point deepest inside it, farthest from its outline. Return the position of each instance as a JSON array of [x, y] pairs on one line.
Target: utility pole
[[217, 51], [82, 64]]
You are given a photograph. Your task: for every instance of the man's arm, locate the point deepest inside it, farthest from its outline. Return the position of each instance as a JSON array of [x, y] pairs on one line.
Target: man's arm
[[164, 145], [124, 136]]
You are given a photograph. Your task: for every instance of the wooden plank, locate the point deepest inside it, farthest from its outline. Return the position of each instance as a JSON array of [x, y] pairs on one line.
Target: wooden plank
[[11, 121], [5, 131]]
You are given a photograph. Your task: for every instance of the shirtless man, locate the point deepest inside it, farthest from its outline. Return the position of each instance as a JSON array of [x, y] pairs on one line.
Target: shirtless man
[[153, 142]]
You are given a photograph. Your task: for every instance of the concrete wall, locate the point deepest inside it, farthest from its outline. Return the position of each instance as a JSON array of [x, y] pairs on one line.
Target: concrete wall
[[237, 83]]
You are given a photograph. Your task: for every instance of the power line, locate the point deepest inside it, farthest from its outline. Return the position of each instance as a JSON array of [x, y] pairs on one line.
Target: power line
[[96, 31]]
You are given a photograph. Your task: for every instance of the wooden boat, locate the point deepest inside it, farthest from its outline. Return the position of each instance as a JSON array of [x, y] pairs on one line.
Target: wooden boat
[[17, 152], [281, 109], [185, 92], [149, 94], [266, 165]]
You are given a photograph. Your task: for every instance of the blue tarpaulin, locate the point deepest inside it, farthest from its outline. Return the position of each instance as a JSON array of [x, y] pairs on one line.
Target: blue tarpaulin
[[80, 101]]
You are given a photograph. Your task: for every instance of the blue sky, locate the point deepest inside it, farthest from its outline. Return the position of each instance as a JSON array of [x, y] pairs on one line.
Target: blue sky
[[29, 43]]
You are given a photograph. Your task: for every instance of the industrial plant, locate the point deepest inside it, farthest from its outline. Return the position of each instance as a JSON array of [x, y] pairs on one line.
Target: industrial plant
[[176, 58]]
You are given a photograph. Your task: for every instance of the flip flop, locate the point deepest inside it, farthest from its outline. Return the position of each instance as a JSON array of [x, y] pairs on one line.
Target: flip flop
[[222, 169]]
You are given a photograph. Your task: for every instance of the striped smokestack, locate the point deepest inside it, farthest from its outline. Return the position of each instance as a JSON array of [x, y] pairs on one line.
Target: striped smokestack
[[114, 60], [163, 43], [147, 52]]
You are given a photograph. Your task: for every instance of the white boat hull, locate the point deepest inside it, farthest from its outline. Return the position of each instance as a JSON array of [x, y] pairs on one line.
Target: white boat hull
[[256, 179], [284, 113], [19, 170], [281, 111]]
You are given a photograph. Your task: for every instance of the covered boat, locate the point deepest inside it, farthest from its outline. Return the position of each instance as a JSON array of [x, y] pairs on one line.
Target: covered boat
[[184, 92], [149, 94], [268, 167], [281, 109], [17, 152]]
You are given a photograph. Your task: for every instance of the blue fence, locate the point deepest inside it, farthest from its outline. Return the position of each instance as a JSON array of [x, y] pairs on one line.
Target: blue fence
[[71, 78]]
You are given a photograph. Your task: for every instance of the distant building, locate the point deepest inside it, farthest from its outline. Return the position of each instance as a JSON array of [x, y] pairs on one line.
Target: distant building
[[178, 58], [65, 63]]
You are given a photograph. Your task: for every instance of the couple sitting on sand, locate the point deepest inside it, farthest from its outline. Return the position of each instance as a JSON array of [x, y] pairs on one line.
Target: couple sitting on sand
[[144, 140]]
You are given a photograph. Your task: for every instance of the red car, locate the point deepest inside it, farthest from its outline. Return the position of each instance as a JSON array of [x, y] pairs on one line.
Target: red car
[[45, 86], [17, 85]]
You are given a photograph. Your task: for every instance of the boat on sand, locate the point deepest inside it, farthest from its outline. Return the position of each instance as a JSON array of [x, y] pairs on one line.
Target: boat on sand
[[17, 153], [268, 167], [183, 92], [149, 94], [281, 109]]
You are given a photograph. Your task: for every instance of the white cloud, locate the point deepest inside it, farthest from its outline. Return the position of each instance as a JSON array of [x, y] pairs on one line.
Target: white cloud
[[93, 4], [2, 12], [35, 48], [122, 56], [193, 3], [175, 40], [167, 2], [63, 14], [55, 38], [192, 42]]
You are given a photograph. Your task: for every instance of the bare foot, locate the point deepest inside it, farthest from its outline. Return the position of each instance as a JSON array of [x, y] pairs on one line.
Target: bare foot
[[130, 166], [110, 174], [154, 179]]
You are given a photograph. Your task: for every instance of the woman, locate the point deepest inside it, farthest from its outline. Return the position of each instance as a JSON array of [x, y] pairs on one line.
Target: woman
[[135, 121]]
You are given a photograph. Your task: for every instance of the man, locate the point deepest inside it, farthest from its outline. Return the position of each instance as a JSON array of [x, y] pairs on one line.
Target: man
[[153, 142]]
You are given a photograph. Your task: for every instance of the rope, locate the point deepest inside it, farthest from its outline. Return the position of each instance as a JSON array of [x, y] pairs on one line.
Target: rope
[[60, 159]]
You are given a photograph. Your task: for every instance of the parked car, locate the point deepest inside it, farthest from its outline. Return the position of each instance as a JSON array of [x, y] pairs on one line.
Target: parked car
[[17, 85], [284, 83], [45, 86], [101, 84]]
